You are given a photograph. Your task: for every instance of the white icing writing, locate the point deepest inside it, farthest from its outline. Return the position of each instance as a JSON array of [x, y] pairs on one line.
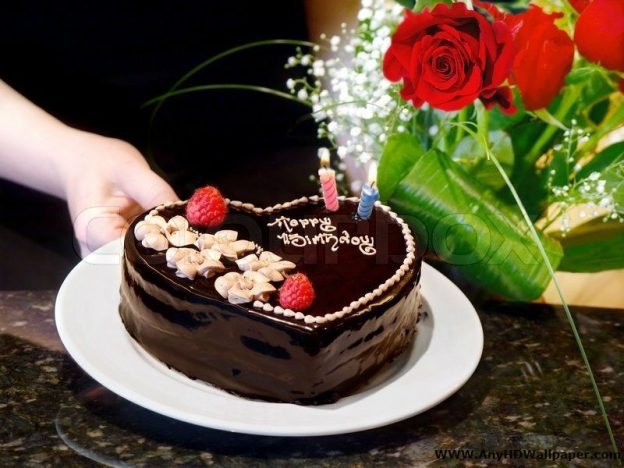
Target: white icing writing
[[289, 224], [328, 236]]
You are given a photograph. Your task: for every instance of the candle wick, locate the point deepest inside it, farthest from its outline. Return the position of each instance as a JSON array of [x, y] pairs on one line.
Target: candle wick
[[372, 184]]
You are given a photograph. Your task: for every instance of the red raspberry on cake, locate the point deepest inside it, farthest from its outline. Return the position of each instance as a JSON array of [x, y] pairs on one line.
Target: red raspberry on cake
[[296, 293], [207, 207]]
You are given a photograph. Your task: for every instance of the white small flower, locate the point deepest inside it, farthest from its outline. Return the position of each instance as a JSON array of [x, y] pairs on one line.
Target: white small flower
[[302, 94], [364, 14], [290, 83]]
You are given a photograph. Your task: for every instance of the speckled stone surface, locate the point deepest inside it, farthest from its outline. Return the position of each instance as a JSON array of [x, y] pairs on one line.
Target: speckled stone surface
[[530, 391]]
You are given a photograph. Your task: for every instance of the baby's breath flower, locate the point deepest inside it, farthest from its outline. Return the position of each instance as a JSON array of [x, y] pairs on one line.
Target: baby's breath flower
[[352, 102]]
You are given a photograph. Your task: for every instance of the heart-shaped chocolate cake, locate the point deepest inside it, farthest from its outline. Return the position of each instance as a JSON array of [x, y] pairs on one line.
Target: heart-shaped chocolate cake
[[289, 303]]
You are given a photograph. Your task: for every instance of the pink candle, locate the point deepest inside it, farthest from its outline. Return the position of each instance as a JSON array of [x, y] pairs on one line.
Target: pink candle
[[327, 177]]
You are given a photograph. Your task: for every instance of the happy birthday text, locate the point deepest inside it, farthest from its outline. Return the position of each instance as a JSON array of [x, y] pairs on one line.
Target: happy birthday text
[[327, 236]]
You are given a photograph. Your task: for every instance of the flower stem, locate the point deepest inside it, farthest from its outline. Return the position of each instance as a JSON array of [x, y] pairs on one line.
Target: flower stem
[[192, 89], [551, 271], [482, 119], [220, 56], [569, 99]]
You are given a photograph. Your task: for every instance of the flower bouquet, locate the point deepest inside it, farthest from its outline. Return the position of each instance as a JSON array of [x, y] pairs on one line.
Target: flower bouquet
[[497, 130], [475, 113]]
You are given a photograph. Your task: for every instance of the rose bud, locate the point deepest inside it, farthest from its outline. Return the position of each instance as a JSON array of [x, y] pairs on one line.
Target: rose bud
[[542, 50], [599, 33]]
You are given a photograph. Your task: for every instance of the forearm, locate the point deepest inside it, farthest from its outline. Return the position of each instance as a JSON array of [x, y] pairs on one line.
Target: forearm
[[35, 148]]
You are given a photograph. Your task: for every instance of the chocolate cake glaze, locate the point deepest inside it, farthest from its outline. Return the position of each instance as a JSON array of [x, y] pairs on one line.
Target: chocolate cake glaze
[[257, 353]]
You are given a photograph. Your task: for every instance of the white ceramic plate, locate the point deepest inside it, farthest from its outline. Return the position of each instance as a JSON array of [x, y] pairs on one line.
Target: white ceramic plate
[[447, 350]]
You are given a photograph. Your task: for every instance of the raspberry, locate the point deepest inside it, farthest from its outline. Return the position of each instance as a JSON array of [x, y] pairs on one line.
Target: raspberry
[[206, 207], [296, 293]]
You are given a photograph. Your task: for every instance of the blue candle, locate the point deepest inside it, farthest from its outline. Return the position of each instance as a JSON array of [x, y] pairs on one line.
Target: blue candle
[[368, 197]]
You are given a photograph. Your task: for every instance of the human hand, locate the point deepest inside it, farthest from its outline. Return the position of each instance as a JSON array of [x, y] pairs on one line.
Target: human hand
[[107, 183]]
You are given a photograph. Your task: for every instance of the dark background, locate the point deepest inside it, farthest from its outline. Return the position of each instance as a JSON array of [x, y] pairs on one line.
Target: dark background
[[93, 64]]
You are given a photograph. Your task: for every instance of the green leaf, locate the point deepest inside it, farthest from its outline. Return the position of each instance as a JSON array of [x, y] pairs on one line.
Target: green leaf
[[596, 87], [579, 75], [422, 4], [470, 154], [466, 223], [501, 121], [405, 150], [548, 118], [608, 156], [407, 3], [593, 246]]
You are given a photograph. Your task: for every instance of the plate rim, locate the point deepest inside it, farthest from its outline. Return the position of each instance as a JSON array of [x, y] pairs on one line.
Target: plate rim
[[136, 397]]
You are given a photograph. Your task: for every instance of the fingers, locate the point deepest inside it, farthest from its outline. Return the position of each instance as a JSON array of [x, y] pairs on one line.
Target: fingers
[[97, 226], [144, 186]]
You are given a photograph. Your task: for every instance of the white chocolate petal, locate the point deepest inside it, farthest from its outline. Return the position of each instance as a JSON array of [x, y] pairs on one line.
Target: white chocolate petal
[[239, 296], [143, 228], [177, 223], [157, 220], [245, 263], [270, 257], [170, 256], [155, 241], [211, 254], [227, 251], [260, 288], [180, 238], [226, 235], [283, 265], [271, 274], [223, 284], [242, 246], [210, 268], [205, 241], [187, 268], [255, 276]]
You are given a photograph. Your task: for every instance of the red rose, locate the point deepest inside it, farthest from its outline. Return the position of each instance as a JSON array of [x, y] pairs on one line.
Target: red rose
[[599, 33], [543, 50], [450, 56], [544, 54], [579, 5]]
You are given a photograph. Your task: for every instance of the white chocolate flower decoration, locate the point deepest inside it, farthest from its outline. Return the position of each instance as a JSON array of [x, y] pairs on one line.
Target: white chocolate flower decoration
[[177, 232], [270, 265], [248, 287], [225, 243], [190, 263], [149, 232]]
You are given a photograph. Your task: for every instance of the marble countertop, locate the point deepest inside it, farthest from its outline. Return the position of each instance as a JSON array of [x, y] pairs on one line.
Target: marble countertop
[[530, 392]]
